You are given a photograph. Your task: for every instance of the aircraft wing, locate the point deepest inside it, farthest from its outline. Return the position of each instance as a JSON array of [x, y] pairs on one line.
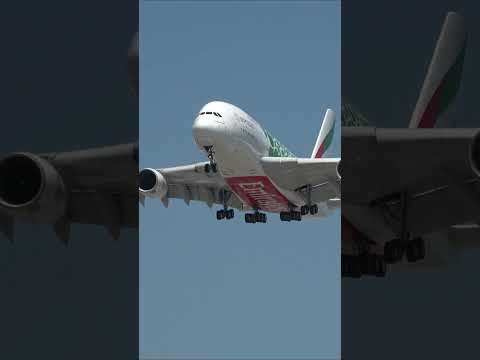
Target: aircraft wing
[[438, 168], [94, 186], [191, 182], [296, 174]]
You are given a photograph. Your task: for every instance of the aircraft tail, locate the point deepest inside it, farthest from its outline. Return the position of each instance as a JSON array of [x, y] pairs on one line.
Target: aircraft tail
[[325, 135], [444, 73]]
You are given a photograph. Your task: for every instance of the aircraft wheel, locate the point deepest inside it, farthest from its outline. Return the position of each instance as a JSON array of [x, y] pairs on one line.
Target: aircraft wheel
[[220, 214], [285, 216], [250, 218], [230, 214], [214, 167], [304, 209], [381, 267], [314, 209], [393, 252], [355, 267], [296, 215], [207, 168], [416, 250]]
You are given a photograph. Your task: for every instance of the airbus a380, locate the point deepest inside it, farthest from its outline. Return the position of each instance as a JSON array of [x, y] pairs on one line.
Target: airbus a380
[[250, 170]]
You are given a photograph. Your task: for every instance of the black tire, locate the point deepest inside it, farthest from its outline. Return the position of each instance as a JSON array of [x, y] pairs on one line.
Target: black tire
[[207, 168], [214, 168], [304, 209], [420, 247], [389, 252], [411, 252], [220, 214], [355, 267], [285, 216], [314, 209], [232, 213], [264, 218], [250, 218], [381, 267], [364, 263], [298, 216]]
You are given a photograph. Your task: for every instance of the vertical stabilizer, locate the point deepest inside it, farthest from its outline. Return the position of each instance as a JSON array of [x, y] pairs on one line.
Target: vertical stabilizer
[[325, 135], [444, 73]]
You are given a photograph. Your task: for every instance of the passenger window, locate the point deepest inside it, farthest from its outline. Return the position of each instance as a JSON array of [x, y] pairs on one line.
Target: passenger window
[[202, 113], [209, 113], [219, 114]]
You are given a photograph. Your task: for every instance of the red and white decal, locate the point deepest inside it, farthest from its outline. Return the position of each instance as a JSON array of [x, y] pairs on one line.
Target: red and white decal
[[258, 192]]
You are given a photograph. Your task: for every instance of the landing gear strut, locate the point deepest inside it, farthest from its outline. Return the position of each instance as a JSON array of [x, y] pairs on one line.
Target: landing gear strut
[[212, 165]]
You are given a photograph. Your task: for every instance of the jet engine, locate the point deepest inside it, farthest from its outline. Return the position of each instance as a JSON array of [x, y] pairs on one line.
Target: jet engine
[[152, 183], [339, 170], [30, 187]]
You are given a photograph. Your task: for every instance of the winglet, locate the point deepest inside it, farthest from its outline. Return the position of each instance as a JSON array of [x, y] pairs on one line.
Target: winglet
[[325, 135], [444, 73]]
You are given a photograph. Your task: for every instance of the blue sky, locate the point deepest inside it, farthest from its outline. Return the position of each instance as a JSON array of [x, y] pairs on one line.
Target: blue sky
[[213, 289]]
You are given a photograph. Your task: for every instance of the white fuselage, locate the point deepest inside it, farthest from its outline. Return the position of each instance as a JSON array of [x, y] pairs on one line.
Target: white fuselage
[[239, 143]]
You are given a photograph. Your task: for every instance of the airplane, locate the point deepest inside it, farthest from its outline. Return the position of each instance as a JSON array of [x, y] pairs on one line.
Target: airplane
[[395, 209], [250, 170]]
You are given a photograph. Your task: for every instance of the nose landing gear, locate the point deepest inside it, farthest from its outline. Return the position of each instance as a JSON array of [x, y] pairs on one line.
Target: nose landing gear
[[212, 166]]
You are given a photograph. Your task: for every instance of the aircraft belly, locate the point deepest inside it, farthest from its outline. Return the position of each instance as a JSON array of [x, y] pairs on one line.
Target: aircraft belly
[[241, 168]]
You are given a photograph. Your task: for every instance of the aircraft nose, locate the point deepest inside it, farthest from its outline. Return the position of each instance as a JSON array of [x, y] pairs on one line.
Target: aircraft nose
[[206, 129]]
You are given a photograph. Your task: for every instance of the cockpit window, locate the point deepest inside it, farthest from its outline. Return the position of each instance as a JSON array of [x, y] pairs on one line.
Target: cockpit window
[[210, 113]]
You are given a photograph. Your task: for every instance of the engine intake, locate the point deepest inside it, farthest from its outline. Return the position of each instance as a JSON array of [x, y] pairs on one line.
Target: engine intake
[[31, 187], [152, 183]]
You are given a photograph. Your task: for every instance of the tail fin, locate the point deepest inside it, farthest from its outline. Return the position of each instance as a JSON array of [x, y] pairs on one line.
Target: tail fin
[[444, 73], [325, 135]]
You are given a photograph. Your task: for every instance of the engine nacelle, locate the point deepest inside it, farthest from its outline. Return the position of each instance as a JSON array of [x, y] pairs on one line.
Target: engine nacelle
[[152, 183], [31, 188]]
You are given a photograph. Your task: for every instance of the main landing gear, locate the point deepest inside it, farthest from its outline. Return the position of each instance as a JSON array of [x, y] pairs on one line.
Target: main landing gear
[[309, 209], [297, 215], [226, 213], [354, 266], [395, 249], [291, 215], [212, 166], [414, 250], [256, 217]]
